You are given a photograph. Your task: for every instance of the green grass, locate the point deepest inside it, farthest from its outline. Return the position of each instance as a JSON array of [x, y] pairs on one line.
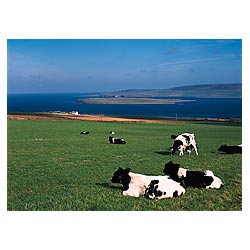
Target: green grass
[[52, 167]]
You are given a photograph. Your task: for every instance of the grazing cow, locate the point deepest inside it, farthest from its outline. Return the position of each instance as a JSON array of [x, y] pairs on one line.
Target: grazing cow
[[84, 133], [184, 142], [230, 149], [151, 187], [116, 140], [195, 179], [112, 132]]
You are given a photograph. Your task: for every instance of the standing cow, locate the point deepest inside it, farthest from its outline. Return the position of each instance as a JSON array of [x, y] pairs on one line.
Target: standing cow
[[184, 142]]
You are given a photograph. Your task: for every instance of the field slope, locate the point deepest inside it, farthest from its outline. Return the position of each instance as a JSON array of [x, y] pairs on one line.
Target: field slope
[[52, 167]]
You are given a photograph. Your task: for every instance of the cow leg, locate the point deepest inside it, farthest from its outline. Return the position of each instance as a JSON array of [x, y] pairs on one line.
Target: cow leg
[[181, 151], [195, 148], [131, 192]]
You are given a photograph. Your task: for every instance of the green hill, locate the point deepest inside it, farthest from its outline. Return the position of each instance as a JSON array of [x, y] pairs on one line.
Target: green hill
[[198, 91]]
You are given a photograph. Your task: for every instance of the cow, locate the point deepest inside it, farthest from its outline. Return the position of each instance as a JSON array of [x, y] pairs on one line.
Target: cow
[[112, 132], [151, 187], [116, 140], [189, 178], [184, 143], [230, 149], [84, 133]]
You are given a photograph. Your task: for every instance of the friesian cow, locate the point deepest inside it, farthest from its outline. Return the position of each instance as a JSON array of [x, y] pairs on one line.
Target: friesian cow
[[230, 149], [195, 179], [184, 142], [84, 133], [151, 187], [116, 140]]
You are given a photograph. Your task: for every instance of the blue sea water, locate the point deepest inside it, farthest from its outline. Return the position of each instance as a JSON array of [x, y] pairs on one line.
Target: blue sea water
[[199, 108]]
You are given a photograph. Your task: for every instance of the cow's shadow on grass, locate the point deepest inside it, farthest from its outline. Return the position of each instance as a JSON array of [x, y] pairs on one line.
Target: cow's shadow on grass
[[108, 185], [163, 152]]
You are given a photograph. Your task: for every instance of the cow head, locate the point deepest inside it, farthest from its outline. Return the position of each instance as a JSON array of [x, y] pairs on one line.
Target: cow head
[[222, 147], [176, 146], [171, 169], [122, 176]]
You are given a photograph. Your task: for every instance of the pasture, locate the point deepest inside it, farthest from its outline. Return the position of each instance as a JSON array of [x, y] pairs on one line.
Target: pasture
[[52, 167]]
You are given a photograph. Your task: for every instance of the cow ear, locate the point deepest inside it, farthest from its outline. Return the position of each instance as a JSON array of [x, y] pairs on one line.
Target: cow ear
[[127, 170]]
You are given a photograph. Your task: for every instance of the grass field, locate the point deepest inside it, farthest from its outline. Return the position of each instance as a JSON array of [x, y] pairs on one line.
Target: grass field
[[52, 167]]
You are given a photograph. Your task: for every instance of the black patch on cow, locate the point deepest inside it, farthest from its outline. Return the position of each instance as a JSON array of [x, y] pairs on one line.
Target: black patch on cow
[[122, 176], [187, 138], [230, 149], [197, 179], [176, 145], [175, 193], [152, 191]]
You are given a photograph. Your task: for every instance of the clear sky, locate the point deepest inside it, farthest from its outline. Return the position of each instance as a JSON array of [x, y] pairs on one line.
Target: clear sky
[[99, 65]]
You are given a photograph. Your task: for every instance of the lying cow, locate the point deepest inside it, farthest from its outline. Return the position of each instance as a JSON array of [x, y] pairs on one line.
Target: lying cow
[[151, 187], [184, 143], [116, 140], [230, 149], [84, 133], [195, 179]]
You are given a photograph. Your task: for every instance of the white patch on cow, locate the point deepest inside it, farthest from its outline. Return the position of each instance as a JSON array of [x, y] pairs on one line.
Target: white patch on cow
[[217, 182], [182, 172], [209, 173], [168, 187]]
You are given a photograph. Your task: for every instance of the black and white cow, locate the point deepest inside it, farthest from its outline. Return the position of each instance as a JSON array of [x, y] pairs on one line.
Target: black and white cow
[[230, 149], [116, 140], [84, 133], [195, 179], [151, 187], [184, 143]]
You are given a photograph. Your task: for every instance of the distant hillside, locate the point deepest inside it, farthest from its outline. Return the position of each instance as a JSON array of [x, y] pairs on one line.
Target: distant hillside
[[198, 91]]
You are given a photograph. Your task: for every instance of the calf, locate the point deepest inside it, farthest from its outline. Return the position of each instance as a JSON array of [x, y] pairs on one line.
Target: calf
[[195, 179], [151, 187], [230, 149], [184, 142], [116, 140]]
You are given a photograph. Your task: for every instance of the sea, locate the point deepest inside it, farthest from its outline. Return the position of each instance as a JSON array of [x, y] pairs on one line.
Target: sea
[[198, 108]]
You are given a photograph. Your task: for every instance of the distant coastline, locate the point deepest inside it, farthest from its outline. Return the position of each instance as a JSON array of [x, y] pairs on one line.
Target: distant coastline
[[233, 90], [121, 100]]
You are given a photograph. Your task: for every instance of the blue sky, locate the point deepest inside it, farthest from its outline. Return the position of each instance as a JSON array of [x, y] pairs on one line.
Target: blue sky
[[99, 65]]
